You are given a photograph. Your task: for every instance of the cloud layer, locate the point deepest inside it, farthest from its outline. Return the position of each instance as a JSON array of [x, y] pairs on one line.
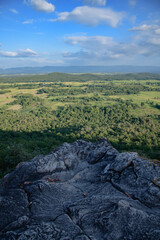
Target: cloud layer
[[20, 53], [92, 16], [146, 27], [41, 5], [148, 35], [144, 44], [93, 48]]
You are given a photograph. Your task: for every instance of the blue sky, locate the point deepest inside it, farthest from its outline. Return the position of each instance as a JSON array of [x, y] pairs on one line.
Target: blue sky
[[79, 32]]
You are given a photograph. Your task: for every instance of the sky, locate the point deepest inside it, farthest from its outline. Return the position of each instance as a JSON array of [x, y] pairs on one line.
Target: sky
[[79, 33]]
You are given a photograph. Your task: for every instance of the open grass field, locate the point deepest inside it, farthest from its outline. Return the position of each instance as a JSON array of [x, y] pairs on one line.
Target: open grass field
[[51, 100]]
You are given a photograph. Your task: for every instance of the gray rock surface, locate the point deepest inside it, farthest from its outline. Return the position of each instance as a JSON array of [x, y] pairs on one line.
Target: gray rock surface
[[82, 191]]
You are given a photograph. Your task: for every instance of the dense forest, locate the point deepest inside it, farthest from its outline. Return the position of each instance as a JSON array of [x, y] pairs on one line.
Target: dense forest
[[38, 113]]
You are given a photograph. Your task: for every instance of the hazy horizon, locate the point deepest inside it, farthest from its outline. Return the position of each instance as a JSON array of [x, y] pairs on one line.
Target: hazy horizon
[[38, 33], [119, 69], [87, 66]]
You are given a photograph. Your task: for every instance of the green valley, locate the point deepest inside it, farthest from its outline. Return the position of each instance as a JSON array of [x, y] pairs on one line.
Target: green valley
[[40, 112]]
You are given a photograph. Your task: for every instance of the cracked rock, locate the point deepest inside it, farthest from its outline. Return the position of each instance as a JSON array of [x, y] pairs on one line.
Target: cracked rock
[[82, 191]]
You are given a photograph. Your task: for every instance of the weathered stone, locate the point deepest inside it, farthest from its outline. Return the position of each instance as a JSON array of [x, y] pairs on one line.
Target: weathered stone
[[82, 191]]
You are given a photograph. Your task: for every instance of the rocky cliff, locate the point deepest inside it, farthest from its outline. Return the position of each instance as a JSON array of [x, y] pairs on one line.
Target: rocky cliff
[[82, 191]]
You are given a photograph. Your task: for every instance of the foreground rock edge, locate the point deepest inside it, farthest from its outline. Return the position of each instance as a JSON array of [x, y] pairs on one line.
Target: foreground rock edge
[[82, 191]]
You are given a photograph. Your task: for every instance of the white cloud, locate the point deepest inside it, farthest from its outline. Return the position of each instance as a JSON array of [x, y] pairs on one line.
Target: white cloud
[[102, 49], [93, 49], [145, 27], [93, 42], [155, 40], [132, 2], [41, 5], [20, 53], [157, 31], [30, 21], [8, 54], [148, 34], [13, 11], [95, 2], [92, 16]]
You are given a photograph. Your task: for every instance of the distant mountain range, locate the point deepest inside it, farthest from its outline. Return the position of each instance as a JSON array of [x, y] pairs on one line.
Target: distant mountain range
[[80, 69]]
